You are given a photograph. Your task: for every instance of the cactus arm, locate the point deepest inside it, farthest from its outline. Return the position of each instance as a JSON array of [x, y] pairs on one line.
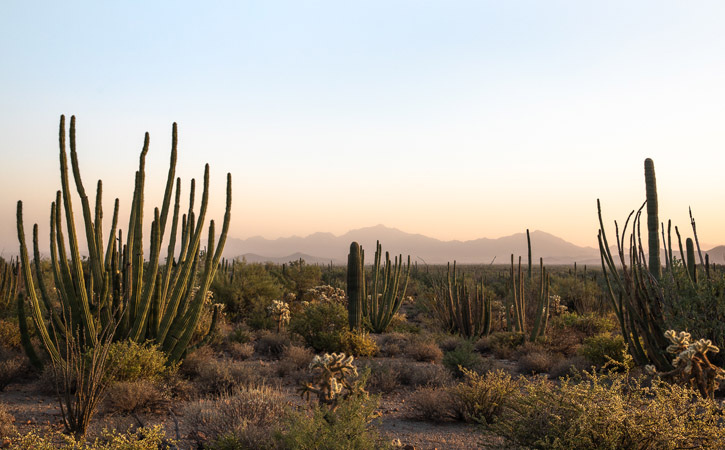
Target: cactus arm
[[169, 182], [149, 283], [93, 257], [77, 274], [30, 288]]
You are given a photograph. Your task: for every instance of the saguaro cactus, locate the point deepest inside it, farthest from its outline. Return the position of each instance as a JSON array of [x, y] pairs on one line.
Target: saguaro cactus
[[115, 287], [355, 285], [653, 220]]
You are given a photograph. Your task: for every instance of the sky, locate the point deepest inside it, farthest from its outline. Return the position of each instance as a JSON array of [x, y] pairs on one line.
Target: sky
[[453, 119]]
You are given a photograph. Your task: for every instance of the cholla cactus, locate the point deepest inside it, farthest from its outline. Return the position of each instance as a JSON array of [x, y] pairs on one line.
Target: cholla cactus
[[280, 312], [325, 293], [332, 375], [691, 363]]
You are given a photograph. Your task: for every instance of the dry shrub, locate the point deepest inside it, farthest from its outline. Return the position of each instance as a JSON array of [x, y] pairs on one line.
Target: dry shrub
[[538, 362], [247, 413], [9, 335], [502, 344], [294, 359], [136, 396], [422, 374], [271, 344], [384, 376], [571, 366], [424, 351], [431, 404], [450, 343], [7, 429], [482, 398], [192, 365], [220, 376], [238, 350], [392, 344], [13, 368]]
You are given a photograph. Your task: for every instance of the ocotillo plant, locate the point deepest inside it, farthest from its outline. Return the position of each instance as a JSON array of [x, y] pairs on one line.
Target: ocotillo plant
[[460, 310], [115, 287], [383, 296]]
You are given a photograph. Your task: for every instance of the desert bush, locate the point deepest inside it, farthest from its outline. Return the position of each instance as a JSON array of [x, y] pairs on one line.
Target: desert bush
[[237, 350], [610, 411], [450, 343], [348, 427], [393, 343], [7, 429], [463, 357], [483, 398], [246, 416], [501, 343], [432, 404], [136, 396], [221, 376], [321, 325], [293, 360], [599, 349], [131, 361], [572, 366], [269, 343], [384, 376], [13, 367], [10, 334], [357, 344], [423, 374], [152, 438], [251, 290], [191, 366], [424, 351], [538, 361], [240, 334], [589, 324]]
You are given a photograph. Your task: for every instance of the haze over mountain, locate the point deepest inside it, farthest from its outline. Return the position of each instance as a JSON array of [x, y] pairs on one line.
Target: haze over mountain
[[326, 247]]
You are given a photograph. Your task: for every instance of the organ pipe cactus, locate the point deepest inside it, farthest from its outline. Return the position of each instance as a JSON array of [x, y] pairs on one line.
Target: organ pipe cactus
[[9, 282], [382, 298], [462, 311], [116, 287], [517, 313]]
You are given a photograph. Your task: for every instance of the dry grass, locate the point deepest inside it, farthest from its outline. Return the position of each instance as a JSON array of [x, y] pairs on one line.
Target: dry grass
[[7, 429], [137, 396], [241, 351], [247, 413], [431, 404]]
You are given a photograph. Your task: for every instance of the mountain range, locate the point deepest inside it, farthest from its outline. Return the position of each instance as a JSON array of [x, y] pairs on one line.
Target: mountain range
[[326, 248]]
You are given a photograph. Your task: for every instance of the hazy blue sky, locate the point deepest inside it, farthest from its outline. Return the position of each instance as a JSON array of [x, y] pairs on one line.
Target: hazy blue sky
[[455, 119]]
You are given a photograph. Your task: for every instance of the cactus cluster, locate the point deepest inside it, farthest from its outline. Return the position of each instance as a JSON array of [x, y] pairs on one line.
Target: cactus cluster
[[516, 307], [332, 373], [634, 288], [9, 282], [115, 288], [461, 310], [691, 364], [280, 312], [379, 301]]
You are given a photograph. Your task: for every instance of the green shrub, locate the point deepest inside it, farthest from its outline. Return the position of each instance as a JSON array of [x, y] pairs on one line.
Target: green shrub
[[151, 438], [612, 411], [10, 334], [131, 361], [349, 427], [599, 349], [357, 344], [483, 398], [463, 357], [321, 325]]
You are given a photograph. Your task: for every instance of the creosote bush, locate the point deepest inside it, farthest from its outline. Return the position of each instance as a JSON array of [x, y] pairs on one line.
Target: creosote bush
[[463, 357], [613, 410], [131, 361], [151, 438], [602, 348]]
